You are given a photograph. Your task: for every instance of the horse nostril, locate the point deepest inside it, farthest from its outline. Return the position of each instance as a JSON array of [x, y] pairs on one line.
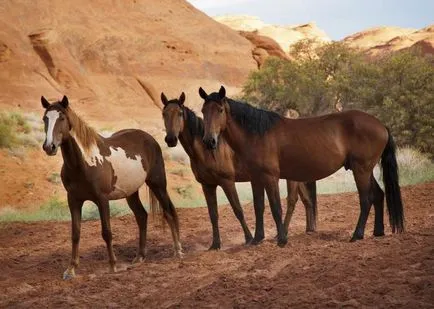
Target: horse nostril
[[213, 142], [53, 147]]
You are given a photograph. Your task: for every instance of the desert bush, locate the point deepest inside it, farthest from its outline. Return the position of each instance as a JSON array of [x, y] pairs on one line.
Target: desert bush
[[19, 130], [57, 209], [398, 88]]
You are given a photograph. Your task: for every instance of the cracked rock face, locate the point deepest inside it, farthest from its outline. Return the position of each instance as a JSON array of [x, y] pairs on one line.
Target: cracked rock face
[[101, 56]]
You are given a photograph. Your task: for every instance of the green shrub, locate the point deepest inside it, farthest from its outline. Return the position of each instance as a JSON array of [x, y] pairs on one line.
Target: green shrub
[[398, 88]]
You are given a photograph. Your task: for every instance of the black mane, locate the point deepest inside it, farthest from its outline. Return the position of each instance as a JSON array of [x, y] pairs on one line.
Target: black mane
[[195, 124], [254, 120]]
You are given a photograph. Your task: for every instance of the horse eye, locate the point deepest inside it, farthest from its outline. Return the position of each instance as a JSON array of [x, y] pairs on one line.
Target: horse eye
[[180, 114], [221, 110]]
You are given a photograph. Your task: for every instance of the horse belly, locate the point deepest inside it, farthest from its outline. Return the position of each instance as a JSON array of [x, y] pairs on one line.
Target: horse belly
[[128, 173]]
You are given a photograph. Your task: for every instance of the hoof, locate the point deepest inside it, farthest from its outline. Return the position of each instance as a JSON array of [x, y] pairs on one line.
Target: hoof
[[214, 247], [179, 254], [138, 260], [68, 274], [257, 241], [248, 240], [113, 269], [356, 238], [282, 242], [378, 234]]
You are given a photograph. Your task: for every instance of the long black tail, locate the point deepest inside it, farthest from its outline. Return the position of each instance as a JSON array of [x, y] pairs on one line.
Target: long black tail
[[311, 188], [391, 185]]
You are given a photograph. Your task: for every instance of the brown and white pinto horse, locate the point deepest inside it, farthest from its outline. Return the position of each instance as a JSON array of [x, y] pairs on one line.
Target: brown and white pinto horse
[[222, 167], [309, 149], [101, 169]]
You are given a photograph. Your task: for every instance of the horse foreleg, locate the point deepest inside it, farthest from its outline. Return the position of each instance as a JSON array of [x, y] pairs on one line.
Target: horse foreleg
[[291, 200], [232, 195], [258, 204], [75, 209], [363, 183], [104, 212], [272, 189], [211, 201], [142, 221]]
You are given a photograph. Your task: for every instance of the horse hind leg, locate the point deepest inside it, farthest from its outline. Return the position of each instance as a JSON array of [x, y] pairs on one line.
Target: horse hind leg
[[291, 200], [364, 188], [307, 192], [142, 222], [169, 213], [378, 200]]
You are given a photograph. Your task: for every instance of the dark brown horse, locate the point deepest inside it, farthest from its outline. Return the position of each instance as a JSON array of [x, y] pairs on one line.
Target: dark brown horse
[[101, 169], [223, 168], [308, 149]]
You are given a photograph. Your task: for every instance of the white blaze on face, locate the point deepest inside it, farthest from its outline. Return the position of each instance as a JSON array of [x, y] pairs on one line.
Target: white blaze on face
[[129, 173], [52, 117]]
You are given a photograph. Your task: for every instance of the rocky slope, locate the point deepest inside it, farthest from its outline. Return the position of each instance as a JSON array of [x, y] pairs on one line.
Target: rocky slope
[[285, 36], [383, 40], [97, 52]]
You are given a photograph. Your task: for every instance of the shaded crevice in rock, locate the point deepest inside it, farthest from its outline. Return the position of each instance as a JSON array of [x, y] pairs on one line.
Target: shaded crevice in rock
[[151, 92], [5, 52], [55, 57]]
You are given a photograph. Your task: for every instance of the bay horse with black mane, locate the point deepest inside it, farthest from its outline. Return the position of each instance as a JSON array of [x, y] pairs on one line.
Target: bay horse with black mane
[[308, 149], [223, 168], [100, 169]]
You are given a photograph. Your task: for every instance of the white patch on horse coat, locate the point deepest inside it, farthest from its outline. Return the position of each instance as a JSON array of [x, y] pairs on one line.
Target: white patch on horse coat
[[92, 156], [129, 173], [52, 117]]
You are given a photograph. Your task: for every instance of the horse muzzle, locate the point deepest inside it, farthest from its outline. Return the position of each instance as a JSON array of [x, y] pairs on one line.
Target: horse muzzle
[[210, 142], [50, 149], [171, 140]]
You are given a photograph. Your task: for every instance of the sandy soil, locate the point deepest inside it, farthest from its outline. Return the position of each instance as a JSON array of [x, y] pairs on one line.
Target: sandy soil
[[322, 270]]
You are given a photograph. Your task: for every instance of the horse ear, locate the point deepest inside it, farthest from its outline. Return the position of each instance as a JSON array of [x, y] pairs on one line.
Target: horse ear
[[182, 98], [45, 103], [202, 93], [64, 102], [164, 99], [222, 92]]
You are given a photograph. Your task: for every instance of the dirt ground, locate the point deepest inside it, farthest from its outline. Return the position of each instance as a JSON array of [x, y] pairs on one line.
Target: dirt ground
[[322, 270]]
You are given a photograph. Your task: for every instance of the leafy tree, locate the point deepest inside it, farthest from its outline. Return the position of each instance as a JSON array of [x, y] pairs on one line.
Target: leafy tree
[[398, 89]]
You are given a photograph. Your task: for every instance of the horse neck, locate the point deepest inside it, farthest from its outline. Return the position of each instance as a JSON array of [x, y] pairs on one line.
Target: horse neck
[[189, 142], [235, 136], [71, 153]]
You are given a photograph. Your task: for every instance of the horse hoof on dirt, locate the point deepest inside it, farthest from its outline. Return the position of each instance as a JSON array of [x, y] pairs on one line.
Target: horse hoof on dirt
[[113, 269], [68, 274], [282, 242], [257, 241], [378, 234], [214, 247], [356, 238], [138, 260], [248, 240], [179, 254]]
